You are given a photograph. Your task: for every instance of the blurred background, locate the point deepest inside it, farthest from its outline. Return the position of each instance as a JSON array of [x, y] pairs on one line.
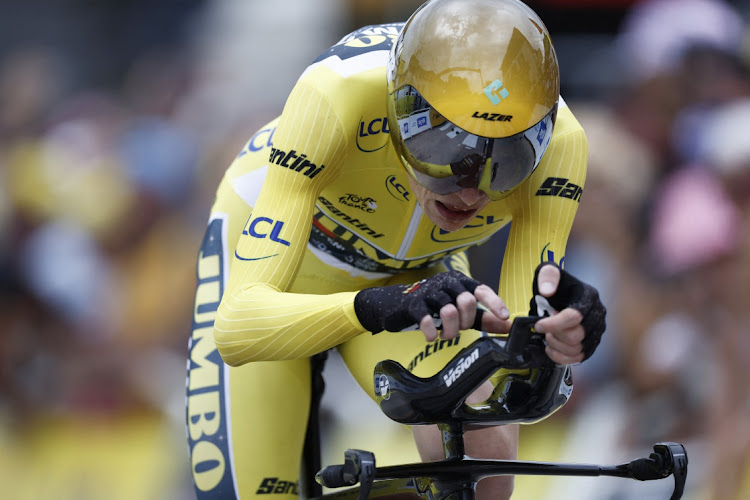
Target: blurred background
[[118, 118]]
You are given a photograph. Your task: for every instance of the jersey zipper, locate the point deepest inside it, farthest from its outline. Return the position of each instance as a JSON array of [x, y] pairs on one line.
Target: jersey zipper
[[411, 231]]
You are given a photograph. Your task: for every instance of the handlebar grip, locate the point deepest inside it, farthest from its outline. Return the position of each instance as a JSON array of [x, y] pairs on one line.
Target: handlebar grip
[[646, 469], [332, 477]]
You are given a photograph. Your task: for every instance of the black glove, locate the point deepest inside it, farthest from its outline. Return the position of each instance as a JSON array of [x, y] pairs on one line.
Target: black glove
[[572, 292], [397, 308]]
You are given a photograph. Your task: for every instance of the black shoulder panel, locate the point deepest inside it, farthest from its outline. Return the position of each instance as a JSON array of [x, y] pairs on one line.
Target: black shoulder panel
[[366, 39]]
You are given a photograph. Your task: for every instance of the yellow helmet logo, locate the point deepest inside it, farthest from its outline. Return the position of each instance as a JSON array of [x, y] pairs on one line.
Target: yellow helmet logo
[[495, 92], [472, 58]]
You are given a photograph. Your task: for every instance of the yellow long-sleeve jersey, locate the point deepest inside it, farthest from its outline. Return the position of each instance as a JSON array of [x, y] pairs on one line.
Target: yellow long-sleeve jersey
[[317, 206]]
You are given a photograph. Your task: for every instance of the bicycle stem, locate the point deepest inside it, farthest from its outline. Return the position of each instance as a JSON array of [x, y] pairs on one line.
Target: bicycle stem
[[453, 440]]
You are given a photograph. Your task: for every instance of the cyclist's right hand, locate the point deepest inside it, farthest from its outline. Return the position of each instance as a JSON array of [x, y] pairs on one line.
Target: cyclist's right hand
[[447, 300]]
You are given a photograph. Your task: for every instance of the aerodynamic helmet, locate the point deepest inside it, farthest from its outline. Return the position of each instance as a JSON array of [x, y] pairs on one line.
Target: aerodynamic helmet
[[473, 89]]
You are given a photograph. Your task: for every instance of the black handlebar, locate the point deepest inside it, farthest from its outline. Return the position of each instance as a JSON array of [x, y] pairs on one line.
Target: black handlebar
[[519, 397], [535, 388], [667, 459]]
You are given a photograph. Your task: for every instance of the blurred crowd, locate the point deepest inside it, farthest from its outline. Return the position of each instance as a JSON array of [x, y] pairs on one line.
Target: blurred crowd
[[664, 231], [105, 191]]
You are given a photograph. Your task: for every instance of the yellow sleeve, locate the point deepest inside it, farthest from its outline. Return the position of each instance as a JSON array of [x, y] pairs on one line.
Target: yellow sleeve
[[543, 215], [459, 262], [256, 319]]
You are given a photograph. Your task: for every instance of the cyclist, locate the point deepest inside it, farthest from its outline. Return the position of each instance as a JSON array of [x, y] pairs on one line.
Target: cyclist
[[345, 221]]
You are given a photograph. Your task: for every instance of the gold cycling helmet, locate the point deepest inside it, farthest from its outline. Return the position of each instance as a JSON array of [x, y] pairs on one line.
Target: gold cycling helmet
[[473, 88]]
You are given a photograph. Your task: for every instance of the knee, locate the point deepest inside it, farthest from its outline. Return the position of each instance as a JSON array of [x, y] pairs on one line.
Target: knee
[[495, 488], [499, 442]]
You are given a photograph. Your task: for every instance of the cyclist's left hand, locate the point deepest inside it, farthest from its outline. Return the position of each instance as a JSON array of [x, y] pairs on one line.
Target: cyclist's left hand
[[573, 333]]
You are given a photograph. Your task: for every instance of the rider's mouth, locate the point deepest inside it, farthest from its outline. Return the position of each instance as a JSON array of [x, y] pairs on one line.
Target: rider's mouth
[[454, 213]]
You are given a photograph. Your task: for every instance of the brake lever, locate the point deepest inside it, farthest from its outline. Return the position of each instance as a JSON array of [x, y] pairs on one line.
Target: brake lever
[[667, 458], [675, 459], [521, 333]]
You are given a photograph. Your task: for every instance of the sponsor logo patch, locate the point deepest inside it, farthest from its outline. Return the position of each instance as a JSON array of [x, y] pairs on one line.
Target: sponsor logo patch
[[372, 136], [276, 486], [560, 187], [480, 221], [492, 117], [364, 203], [295, 161], [207, 429], [495, 92], [462, 365], [396, 189]]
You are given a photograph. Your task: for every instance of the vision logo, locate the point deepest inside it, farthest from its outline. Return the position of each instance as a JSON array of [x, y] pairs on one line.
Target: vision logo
[[495, 92], [462, 365]]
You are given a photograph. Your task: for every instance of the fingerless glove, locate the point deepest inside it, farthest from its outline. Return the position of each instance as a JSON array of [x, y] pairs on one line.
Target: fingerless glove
[[397, 308]]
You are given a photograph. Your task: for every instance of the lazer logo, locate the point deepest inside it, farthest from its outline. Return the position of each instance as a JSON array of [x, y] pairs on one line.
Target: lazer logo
[[258, 227], [366, 204], [558, 186], [293, 161], [492, 117], [396, 189], [462, 365], [275, 486], [495, 92], [367, 135]]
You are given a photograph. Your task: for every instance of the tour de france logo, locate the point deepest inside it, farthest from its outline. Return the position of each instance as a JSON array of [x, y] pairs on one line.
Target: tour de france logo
[[364, 203]]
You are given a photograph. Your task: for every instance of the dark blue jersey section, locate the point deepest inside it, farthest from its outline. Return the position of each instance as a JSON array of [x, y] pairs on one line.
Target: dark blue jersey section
[[367, 39]]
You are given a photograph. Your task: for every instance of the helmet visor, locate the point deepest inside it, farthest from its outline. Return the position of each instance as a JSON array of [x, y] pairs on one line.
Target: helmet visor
[[444, 158]]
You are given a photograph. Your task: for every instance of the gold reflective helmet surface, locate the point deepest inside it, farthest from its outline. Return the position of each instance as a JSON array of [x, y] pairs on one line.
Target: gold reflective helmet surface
[[487, 68]]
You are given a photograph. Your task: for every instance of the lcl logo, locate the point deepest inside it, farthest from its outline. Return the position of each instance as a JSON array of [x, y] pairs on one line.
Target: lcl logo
[[396, 189]]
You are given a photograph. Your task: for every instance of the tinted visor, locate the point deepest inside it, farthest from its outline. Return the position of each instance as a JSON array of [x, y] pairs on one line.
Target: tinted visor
[[445, 158]]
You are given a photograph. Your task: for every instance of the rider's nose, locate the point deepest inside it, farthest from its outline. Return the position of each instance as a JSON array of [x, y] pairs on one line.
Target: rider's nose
[[470, 196]]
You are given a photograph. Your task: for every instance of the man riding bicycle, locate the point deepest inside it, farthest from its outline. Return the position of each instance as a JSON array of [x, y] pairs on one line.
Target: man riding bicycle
[[346, 220]]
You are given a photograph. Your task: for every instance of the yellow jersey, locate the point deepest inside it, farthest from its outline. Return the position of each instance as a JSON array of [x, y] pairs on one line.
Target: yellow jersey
[[322, 183], [315, 208]]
